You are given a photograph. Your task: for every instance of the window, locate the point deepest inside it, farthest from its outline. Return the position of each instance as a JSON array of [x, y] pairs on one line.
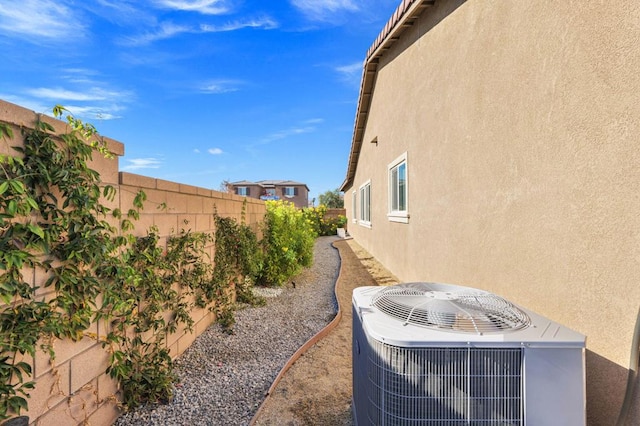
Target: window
[[290, 191], [398, 200], [354, 207], [242, 190], [365, 204]]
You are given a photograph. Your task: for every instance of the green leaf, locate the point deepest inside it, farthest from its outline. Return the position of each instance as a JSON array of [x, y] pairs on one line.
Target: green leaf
[[36, 230], [33, 203], [58, 111], [3, 187], [12, 208], [17, 186], [5, 130]]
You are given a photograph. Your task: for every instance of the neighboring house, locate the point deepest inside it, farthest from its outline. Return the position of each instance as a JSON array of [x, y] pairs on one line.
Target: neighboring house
[[295, 192], [496, 146]]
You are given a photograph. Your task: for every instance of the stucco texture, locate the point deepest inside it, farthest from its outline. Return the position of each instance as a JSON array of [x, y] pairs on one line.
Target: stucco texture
[[520, 122]]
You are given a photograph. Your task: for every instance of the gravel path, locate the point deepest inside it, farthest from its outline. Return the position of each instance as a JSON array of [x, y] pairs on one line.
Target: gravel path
[[224, 378]]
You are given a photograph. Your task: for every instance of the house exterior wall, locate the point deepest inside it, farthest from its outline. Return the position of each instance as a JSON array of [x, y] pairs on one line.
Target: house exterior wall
[[300, 199], [520, 122]]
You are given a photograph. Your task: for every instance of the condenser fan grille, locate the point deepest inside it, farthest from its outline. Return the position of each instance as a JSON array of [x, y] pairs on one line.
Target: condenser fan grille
[[450, 308]]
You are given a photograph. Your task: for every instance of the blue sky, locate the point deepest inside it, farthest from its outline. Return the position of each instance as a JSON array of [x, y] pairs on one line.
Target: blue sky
[[200, 91]]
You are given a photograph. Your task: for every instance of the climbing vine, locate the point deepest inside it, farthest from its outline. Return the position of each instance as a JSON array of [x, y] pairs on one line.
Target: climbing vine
[[51, 221], [54, 223], [238, 260]]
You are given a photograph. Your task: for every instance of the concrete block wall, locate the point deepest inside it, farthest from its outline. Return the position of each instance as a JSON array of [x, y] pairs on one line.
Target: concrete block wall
[[74, 389]]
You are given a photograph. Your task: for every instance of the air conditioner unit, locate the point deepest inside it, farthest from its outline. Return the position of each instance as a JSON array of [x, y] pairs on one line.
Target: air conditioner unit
[[439, 354]]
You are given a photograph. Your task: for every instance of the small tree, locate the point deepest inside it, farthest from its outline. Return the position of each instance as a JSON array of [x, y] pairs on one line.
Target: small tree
[[331, 199], [225, 186]]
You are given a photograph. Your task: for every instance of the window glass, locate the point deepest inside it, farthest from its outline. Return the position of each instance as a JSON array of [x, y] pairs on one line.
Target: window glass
[[365, 204], [354, 206], [398, 190]]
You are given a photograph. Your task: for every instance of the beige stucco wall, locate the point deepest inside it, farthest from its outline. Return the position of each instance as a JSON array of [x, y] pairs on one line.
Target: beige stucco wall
[[520, 120]]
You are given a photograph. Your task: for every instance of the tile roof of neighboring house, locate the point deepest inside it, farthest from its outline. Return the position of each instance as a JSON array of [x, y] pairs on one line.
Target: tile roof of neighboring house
[[404, 16], [270, 183]]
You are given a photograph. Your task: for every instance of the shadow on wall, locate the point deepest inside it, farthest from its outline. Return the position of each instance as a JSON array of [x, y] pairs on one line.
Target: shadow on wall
[[609, 378]]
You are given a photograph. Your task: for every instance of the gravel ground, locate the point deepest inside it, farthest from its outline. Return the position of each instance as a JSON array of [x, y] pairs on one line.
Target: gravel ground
[[224, 378]]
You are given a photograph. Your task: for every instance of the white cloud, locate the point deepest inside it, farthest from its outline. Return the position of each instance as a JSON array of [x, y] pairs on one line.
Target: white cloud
[[142, 163], [323, 10], [95, 112], [86, 99], [40, 19], [168, 30], [164, 31], [351, 73], [265, 23], [214, 151], [220, 86], [283, 134], [351, 69], [206, 7], [60, 94]]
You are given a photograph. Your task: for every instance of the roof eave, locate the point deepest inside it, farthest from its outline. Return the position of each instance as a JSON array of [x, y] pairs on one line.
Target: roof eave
[[404, 16]]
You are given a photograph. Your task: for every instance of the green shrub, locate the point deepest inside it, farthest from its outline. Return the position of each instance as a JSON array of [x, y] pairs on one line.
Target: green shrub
[[322, 225], [288, 241]]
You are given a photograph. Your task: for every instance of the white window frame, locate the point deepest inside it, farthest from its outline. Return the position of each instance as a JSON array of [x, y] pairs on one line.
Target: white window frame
[[289, 191], [395, 213], [365, 204], [354, 206], [242, 191]]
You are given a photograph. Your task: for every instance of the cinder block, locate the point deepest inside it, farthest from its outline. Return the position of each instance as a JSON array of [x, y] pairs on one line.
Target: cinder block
[[167, 224], [107, 389], [73, 410], [223, 207], [195, 204], [143, 224], [155, 200], [138, 181], [173, 338], [186, 222], [105, 415], [88, 365], [115, 147], [176, 202], [64, 350], [203, 192], [50, 390], [173, 350], [209, 205], [126, 195], [198, 313], [12, 113], [106, 167], [188, 189], [204, 323], [185, 341], [166, 185], [203, 223]]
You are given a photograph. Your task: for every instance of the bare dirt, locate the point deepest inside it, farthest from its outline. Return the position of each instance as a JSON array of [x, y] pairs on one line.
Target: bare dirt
[[316, 389]]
